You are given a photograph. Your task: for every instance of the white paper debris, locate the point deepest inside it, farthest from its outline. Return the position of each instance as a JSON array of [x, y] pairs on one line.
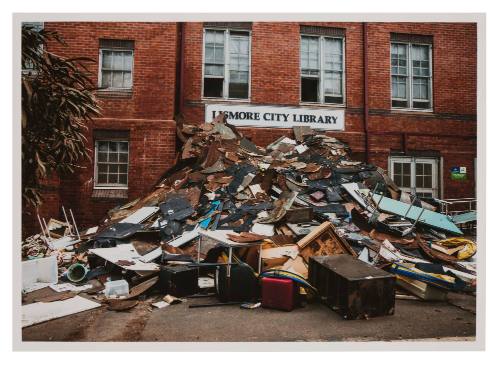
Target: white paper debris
[[41, 312], [161, 304], [263, 229]]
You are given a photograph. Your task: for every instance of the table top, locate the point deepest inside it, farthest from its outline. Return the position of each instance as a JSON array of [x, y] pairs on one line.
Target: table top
[[220, 236]]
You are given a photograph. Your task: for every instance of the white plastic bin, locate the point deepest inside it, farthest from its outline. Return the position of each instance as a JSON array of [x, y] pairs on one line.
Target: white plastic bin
[[116, 288]]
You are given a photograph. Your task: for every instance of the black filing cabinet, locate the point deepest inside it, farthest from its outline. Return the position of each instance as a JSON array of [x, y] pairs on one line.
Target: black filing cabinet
[[351, 287]]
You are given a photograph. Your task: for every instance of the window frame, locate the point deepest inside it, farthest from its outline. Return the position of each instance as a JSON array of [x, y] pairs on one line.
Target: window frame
[[225, 82], [117, 186], [99, 77], [321, 95], [434, 162], [409, 85]]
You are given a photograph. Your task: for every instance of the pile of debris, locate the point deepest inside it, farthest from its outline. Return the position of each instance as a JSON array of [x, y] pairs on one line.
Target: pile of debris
[[238, 219]]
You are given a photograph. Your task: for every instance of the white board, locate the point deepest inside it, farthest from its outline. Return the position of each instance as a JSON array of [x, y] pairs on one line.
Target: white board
[[125, 252], [140, 215], [270, 116], [40, 312], [39, 273]]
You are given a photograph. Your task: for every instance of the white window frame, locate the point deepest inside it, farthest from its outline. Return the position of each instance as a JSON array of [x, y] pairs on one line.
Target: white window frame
[[117, 186], [409, 84], [413, 182], [225, 84], [99, 76], [321, 95]]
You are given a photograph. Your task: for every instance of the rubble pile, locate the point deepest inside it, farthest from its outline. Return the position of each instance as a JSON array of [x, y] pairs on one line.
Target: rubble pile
[[237, 219]]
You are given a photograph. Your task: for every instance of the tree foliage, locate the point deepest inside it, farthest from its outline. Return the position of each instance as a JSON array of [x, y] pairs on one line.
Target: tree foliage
[[58, 101]]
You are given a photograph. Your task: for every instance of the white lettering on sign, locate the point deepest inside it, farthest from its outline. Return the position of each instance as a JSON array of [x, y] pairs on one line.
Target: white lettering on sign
[[277, 116]]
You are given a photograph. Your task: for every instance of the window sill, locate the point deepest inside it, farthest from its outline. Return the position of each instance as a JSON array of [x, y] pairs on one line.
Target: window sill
[[115, 93], [415, 111], [323, 105], [110, 193], [225, 100]]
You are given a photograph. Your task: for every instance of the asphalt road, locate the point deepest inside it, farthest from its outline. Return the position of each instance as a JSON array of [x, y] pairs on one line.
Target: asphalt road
[[314, 322]]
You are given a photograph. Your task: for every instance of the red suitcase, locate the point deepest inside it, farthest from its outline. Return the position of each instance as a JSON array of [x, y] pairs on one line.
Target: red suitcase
[[279, 293]]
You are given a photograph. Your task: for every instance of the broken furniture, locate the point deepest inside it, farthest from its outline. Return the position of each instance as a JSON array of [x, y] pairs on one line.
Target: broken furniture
[[351, 287], [219, 236], [178, 280]]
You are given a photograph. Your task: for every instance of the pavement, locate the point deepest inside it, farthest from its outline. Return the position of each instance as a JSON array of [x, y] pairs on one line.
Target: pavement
[[413, 320]]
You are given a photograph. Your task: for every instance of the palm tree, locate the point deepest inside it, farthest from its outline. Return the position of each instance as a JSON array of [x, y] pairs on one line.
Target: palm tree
[[58, 102]]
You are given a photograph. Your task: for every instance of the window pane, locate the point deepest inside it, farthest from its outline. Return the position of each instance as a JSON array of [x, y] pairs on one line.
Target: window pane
[[102, 179], [398, 169], [398, 180], [419, 181], [107, 59], [117, 79], [238, 84], [123, 157], [428, 169], [212, 87], [112, 178], [128, 61], [420, 168], [420, 60], [238, 66], [406, 168], [309, 51], [113, 157], [102, 157], [106, 79], [309, 89], [399, 87], [406, 181], [113, 146], [122, 168], [122, 147], [117, 61], [102, 168], [214, 70], [122, 179], [333, 54], [127, 79], [427, 181], [113, 168], [399, 59], [332, 83], [420, 88]]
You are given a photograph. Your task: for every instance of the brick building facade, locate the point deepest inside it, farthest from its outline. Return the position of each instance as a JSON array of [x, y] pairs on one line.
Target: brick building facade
[[405, 93]]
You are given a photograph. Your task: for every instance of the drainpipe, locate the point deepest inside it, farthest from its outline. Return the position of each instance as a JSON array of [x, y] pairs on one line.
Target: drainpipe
[[365, 89], [179, 97]]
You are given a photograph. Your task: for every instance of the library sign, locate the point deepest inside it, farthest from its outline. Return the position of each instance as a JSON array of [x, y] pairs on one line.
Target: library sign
[[277, 116]]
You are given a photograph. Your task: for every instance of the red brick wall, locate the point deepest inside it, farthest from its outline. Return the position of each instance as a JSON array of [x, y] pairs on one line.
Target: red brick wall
[[147, 113], [275, 80], [152, 152], [154, 63]]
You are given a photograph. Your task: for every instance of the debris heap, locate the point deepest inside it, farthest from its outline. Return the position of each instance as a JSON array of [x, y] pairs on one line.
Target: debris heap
[[229, 205]]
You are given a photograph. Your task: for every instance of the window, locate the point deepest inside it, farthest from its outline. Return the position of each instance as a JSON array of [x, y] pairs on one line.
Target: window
[[27, 64], [116, 63], [415, 175], [226, 64], [111, 163], [411, 75], [322, 69]]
